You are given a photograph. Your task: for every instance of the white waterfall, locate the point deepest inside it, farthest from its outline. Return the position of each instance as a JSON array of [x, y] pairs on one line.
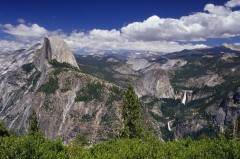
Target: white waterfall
[[184, 98], [169, 127]]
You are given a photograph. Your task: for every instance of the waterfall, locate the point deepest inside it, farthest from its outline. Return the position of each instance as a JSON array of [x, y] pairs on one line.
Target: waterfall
[[169, 127], [184, 98]]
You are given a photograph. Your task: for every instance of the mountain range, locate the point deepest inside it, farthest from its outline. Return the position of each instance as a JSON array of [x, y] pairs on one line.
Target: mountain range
[[191, 92]]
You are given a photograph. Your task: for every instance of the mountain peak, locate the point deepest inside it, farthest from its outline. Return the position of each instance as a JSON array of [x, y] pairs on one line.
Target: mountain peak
[[56, 48]]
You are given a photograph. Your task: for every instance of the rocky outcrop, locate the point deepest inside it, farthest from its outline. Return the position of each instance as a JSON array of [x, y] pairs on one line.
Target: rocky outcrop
[[13, 60], [54, 48], [226, 111], [173, 63], [156, 83], [189, 126], [59, 94], [63, 114], [124, 69], [57, 48], [138, 64], [205, 80], [184, 95]]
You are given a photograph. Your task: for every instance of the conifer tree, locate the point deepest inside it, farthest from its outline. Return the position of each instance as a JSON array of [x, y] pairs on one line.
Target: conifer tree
[[233, 131], [33, 124], [3, 130], [133, 124]]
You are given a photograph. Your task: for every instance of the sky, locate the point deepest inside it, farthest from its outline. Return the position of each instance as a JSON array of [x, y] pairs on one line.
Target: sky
[[108, 25]]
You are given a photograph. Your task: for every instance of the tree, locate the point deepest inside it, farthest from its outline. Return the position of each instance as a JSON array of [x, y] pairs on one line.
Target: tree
[[81, 140], [3, 130], [33, 124], [133, 123], [233, 131]]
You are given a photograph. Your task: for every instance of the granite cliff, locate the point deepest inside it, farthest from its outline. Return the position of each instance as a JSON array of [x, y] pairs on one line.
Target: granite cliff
[[67, 102]]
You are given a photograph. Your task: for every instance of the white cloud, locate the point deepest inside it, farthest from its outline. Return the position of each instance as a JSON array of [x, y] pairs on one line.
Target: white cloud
[[105, 35], [217, 10], [21, 21], [233, 3], [23, 30], [153, 34], [217, 22], [6, 45], [86, 41]]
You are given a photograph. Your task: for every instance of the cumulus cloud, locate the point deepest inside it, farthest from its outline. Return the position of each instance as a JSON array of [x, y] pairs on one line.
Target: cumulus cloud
[[233, 3], [215, 22], [23, 30], [91, 42], [105, 35], [217, 10], [152, 34]]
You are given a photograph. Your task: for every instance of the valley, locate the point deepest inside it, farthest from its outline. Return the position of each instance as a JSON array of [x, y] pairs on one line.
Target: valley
[[192, 92]]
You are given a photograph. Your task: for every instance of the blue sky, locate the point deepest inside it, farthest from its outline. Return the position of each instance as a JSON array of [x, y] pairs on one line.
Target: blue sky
[[94, 25]]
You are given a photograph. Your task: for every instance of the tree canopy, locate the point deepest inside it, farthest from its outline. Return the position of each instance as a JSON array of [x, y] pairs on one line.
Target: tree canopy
[[133, 123], [33, 124]]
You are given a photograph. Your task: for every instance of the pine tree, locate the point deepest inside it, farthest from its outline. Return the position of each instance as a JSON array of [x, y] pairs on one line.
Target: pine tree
[[33, 124], [133, 123], [3, 130], [233, 131]]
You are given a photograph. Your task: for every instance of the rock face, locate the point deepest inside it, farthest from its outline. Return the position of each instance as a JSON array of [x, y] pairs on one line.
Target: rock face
[[12, 61], [206, 80], [155, 82], [185, 96], [138, 64], [56, 48], [189, 126], [176, 63], [181, 92], [67, 102], [227, 110]]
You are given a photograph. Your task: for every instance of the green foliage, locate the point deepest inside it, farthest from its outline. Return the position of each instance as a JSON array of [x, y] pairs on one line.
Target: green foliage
[[61, 65], [3, 130], [233, 130], [30, 146], [97, 67], [36, 146], [50, 87], [116, 94], [90, 92], [170, 107], [133, 123], [28, 67], [87, 118], [80, 140], [166, 134], [33, 124], [32, 80]]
